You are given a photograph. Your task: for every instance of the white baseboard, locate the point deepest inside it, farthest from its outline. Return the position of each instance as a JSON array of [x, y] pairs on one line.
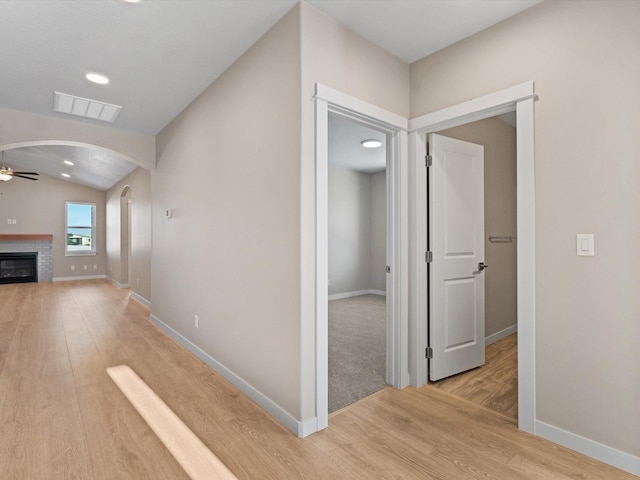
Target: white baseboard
[[339, 296], [300, 429], [500, 335], [117, 283], [616, 458], [140, 299], [86, 277]]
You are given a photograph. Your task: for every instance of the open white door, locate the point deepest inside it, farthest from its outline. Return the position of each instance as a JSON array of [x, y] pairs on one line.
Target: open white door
[[456, 243]]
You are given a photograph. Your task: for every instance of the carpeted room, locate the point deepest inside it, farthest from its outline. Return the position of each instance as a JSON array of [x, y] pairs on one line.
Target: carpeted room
[[357, 262]]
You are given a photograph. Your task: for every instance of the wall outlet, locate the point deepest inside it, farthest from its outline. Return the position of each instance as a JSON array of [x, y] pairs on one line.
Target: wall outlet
[[196, 320], [95, 267], [137, 282], [84, 267], [73, 267]]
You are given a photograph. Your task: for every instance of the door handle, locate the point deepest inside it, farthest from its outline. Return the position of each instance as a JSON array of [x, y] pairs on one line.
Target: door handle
[[482, 266]]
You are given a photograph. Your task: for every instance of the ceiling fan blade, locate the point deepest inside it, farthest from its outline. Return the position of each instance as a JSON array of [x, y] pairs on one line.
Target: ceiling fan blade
[[22, 176], [25, 173]]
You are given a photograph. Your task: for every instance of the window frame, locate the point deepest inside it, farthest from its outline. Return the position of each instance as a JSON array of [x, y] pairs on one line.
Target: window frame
[[94, 247]]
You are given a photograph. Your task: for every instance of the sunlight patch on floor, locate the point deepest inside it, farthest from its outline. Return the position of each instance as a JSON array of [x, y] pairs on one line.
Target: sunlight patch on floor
[[192, 455]]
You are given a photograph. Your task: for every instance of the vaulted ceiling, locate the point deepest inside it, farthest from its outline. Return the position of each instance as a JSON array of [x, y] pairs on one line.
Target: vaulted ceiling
[[161, 54]]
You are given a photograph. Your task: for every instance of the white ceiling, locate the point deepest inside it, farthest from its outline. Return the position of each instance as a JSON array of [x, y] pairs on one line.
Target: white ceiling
[[92, 167], [413, 29], [161, 54], [345, 149]]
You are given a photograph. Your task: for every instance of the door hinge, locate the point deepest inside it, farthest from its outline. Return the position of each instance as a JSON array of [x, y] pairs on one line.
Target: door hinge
[[428, 257], [388, 269], [428, 353], [428, 160]]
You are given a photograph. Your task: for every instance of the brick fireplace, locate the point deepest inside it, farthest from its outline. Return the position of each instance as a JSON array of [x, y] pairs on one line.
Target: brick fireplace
[[42, 244]]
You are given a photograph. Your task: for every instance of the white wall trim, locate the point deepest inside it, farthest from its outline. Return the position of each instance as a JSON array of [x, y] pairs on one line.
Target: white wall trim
[[355, 105], [357, 293], [521, 99], [622, 460], [418, 335], [140, 299], [85, 277], [117, 283], [322, 262], [501, 334], [526, 260], [300, 429], [475, 109]]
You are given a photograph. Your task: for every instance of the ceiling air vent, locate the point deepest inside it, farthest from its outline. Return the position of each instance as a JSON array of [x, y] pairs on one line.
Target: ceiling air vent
[[85, 107]]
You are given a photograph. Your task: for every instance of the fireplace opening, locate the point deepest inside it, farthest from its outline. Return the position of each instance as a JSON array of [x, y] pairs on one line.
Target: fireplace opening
[[18, 267]]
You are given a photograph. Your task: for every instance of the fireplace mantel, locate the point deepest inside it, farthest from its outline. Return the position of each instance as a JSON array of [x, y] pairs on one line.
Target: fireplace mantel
[[19, 237]]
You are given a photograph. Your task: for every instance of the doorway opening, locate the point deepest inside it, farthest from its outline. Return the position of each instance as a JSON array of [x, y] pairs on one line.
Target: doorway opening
[[519, 98], [357, 220], [394, 127], [493, 383]]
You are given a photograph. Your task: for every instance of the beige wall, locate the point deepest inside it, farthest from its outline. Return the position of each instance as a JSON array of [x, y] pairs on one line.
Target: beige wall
[[39, 207], [357, 230], [139, 181], [499, 141], [378, 260], [338, 58], [587, 148], [239, 249], [349, 230], [229, 168]]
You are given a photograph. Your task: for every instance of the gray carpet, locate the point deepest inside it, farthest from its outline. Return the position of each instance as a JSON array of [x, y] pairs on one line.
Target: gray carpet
[[357, 334]]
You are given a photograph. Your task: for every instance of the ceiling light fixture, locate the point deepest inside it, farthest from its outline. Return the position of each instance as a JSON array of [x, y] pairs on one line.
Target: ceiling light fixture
[[69, 163], [98, 78], [65, 175], [371, 143]]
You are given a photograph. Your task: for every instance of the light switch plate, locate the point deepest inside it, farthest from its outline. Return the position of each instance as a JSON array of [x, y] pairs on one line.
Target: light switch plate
[[585, 245]]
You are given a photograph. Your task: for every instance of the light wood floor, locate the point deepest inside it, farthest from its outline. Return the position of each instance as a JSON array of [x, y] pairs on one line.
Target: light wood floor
[[495, 384], [61, 417]]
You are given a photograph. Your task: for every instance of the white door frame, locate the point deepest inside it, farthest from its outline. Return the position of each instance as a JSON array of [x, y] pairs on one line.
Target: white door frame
[[330, 100], [521, 99]]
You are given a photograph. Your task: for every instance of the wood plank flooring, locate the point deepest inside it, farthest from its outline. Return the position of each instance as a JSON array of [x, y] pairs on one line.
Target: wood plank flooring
[[61, 416], [495, 384]]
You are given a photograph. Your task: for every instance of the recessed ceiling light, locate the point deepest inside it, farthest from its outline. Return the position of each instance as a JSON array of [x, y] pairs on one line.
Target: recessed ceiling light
[[98, 78], [371, 143], [65, 175], [69, 163], [132, 1]]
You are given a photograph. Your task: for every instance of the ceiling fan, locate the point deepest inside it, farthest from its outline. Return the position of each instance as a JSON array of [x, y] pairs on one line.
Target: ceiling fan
[[7, 173]]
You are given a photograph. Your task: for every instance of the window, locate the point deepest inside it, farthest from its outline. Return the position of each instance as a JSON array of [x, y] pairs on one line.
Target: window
[[81, 228]]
